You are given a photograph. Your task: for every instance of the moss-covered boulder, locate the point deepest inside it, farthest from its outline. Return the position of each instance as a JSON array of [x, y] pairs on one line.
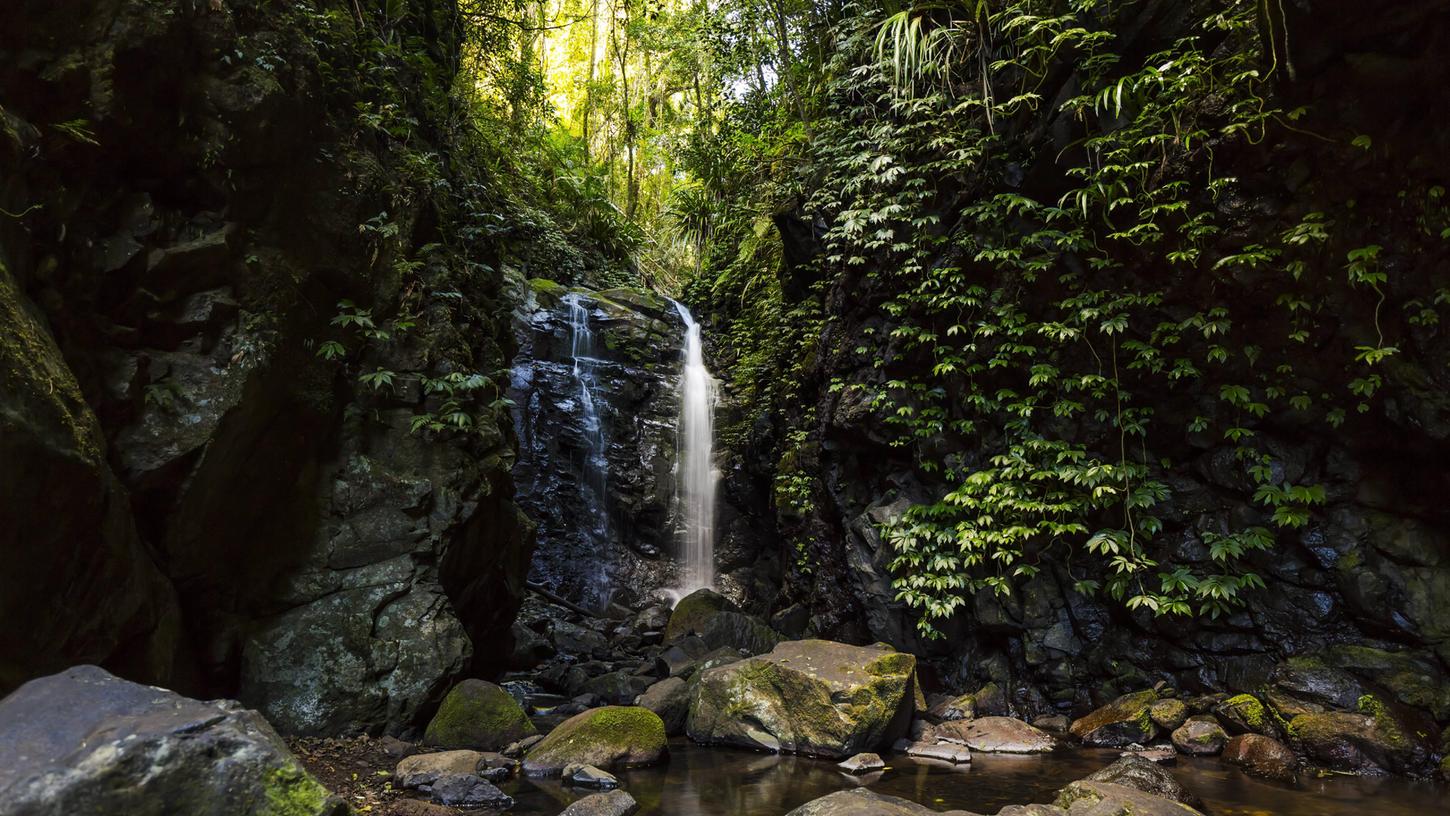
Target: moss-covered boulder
[[1370, 741], [1168, 714], [862, 802], [1247, 714], [691, 616], [1133, 771], [479, 715], [1122, 722], [1108, 797], [608, 737], [814, 697]]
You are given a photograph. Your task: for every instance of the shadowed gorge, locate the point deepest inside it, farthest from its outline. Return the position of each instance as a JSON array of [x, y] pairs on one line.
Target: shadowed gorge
[[761, 407]]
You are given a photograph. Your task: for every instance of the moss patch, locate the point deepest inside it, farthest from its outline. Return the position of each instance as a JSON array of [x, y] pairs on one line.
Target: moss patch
[[291, 791]]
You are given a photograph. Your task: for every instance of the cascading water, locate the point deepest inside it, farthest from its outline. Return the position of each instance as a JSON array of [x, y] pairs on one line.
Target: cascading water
[[596, 464], [695, 477]]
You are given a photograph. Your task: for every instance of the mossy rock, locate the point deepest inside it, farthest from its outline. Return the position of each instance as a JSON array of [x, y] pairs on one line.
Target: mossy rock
[[1168, 714], [813, 697], [1247, 714], [1120, 723], [478, 715], [1199, 737], [608, 737], [692, 614], [1370, 741]]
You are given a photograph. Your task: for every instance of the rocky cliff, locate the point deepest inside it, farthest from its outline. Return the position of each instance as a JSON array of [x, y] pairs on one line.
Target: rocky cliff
[[1363, 584], [251, 440]]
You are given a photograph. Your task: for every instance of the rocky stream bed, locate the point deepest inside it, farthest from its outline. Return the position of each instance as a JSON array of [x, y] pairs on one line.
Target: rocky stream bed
[[706, 710]]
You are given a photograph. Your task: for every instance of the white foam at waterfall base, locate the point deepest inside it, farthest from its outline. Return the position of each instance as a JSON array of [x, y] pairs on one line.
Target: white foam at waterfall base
[[696, 479]]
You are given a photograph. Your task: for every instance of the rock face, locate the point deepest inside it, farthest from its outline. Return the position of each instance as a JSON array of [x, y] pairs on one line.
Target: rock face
[[608, 737], [810, 697], [1262, 756], [1122, 722], [997, 735], [477, 714], [84, 741], [222, 506], [593, 541]]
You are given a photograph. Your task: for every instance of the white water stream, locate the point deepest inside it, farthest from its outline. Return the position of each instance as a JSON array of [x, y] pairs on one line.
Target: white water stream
[[696, 480], [596, 464]]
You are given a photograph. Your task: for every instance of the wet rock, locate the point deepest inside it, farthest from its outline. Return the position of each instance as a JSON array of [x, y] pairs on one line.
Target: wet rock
[[617, 687], [943, 751], [1362, 743], [579, 641], [609, 737], [478, 714], [514, 750], [1168, 714], [1120, 723], [1262, 756], [679, 659], [990, 701], [670, 699], [1147, 776], [1109, 798], [997, 735], [1054, 723], [740, 632], [862, 802], [945, 708], [693, 613], [791, 621], [84, 741], [811, 697], [1245, 714], [1157, 754], [468, 791], [1199, 738], [425, 769], [588, 776], [1308, 678], [613, 803], [652, 619], [862, 764]]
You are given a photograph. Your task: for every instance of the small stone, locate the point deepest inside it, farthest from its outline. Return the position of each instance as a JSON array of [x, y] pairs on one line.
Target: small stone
[[862, 763], [588, 776], [396, 748], [613, 803], [1161, 754]]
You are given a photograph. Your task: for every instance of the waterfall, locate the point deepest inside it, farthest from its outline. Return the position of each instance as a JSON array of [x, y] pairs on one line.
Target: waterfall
[[695, 476], [594, 490]]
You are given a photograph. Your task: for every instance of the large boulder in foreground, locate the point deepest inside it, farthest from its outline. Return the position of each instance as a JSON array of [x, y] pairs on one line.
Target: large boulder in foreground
[[84, 742], [480, 715], [1368, 743], [1120, 723], [1108, 797], [608, 737], [1147, 776], [813, 697], [997, 735]]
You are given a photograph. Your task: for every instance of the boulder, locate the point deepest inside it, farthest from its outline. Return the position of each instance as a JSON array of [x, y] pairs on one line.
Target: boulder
[[1110, 798], [478, 714], [588, 776], [1120, 723], [1363, 743], [425, 769], [945, 708], [670, 699], [468, 791], [679, 658], [617, 687], [862, 764], [990, 701], [862, 802], [741, 632], [813, 697], [942, 751], [613, 803], [609, 737], [693, 613], [84, 741], [1245, 714], [1199, 738], [997, 735], [1147, 776], [1168, 714], [1262, 756], [1310, 679]]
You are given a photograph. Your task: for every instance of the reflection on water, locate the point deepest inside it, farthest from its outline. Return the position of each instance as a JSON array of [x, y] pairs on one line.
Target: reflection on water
[[721, 782]]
